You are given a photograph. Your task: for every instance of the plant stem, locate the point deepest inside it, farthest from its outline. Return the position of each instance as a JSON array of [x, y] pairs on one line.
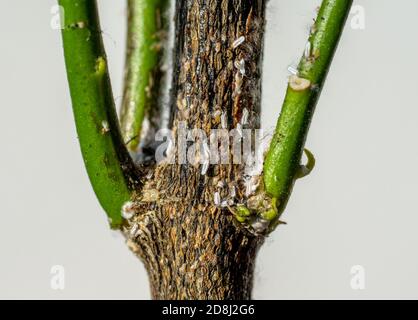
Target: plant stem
[[282, 163], [142, 70], [192, 247], [108, 164]]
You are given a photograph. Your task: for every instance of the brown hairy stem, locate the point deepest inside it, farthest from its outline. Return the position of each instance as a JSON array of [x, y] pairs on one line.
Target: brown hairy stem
[[192, 247]]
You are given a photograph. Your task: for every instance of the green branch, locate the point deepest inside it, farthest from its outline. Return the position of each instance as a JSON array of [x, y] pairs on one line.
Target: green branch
[[282, 165], [142, 75], [107, 161]]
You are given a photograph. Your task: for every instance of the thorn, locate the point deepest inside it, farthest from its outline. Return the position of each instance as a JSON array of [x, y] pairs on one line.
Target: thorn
[[306, 169]]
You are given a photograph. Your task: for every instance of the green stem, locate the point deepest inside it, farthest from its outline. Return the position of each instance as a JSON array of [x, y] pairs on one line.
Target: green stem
[[282, 163], [108, 164], [143, 57]]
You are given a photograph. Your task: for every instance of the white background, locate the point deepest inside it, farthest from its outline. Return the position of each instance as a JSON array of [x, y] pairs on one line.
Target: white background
[[358, 207]]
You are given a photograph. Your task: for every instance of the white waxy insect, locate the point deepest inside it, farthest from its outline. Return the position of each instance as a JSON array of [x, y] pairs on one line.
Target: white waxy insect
[[308, 48], [217, 199], [205, 167], [105, 127], [128, 210], [238, 42], [240, 65], [251, 184], [260, 225], [206, 158], [206, 151], [299, 84], [292, 69]]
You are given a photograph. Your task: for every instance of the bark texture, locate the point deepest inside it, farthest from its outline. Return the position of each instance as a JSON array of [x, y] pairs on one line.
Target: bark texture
[[192, 245]]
